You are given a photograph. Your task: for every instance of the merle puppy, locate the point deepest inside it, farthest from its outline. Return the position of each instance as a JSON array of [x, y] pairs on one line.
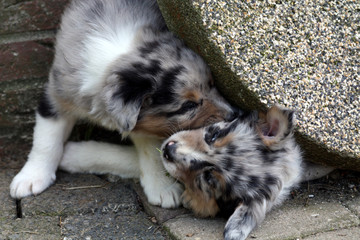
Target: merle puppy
[[117, 65], [241, 168]]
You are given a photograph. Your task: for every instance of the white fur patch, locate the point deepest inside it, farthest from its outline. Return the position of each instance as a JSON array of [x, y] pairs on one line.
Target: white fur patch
[[101, 50], [100, 158], [39, 170], [160, 189]]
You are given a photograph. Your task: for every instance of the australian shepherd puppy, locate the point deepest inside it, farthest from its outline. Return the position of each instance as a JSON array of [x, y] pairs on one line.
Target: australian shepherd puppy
[[240, 168], [117, 65]]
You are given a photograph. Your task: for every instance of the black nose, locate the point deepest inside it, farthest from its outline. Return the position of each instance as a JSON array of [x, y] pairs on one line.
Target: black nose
[[169, 151]]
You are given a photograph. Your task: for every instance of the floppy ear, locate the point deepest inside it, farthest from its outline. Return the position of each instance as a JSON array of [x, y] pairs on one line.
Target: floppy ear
[[125, 94], [276, 124], [244, 220], [201, 194]]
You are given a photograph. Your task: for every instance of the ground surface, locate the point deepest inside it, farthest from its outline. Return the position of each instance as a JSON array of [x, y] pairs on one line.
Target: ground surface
[[91, 207]]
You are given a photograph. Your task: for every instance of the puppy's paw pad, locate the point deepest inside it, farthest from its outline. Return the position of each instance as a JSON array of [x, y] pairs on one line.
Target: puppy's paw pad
[[25, 184]]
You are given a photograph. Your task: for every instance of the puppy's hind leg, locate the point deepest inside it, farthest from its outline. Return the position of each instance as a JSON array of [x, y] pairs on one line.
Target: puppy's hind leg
[[160, 189], [50, 133]]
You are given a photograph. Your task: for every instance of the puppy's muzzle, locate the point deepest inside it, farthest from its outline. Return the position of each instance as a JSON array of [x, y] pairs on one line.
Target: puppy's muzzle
[[169, 151]]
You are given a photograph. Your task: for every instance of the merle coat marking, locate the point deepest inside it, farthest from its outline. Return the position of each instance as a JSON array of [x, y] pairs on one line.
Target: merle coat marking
[[240, 168], [117, 65]]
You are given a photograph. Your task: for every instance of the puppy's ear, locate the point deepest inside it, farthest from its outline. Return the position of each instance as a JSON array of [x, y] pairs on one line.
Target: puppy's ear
[[276, 124], [125, 94], [244, 220], [201, 195]]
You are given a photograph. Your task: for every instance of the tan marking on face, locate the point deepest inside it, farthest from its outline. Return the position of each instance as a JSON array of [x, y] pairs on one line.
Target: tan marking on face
[[220, 179], [160, 126], [192, 95], [197, 202], [207, 114], [154, 125], [224, 141], [194, 140], [194, 199]]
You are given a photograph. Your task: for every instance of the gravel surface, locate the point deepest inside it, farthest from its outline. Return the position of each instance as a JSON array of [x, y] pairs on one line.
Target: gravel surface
[[302, 54]]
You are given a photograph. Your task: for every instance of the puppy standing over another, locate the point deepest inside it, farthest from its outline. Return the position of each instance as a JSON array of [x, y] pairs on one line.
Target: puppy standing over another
[[240, 168], [117, 65]]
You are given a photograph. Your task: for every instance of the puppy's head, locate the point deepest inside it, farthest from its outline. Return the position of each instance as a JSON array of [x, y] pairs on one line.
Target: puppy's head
[[228, 163], [163, 87]]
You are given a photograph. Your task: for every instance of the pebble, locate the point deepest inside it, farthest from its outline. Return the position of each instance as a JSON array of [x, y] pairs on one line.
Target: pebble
[[302, 54]]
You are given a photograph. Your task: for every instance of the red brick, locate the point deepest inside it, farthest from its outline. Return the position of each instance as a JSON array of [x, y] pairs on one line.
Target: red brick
[[25, 60], [24, 16]]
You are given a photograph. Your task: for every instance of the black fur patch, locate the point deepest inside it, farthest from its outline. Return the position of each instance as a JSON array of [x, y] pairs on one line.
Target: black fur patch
[[185, 107], [231, 149], [45, 108], [137, 81], [134, 86], [196, 165], [165, 92], [267, 155], [254, 182], [228, 163], [153, 69], [290, 126], [214, 132], [271, 180], [227, 208], [211, 134]]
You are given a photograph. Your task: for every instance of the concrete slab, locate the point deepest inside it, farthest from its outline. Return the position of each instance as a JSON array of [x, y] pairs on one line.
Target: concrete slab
[[294, 220], [7, 205], [343, 234], [161, 214], [191, 228], [110, 226], [82, 194], [34, 228], [353, 205], [77, 207]]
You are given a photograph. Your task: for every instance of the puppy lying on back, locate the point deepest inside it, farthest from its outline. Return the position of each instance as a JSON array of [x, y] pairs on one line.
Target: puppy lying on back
[[117, 65], [240, 168]]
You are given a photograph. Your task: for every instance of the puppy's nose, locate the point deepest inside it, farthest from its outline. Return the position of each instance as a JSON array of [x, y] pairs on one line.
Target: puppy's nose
[[169, 151]]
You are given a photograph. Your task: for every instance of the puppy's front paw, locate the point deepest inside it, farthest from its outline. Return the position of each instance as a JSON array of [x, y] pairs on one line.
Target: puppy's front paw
[[162, 191], [31, 181]]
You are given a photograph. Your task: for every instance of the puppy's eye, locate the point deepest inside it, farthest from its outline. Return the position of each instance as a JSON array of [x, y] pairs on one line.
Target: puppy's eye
[[189, 105], [185, 108], [212, 137]]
